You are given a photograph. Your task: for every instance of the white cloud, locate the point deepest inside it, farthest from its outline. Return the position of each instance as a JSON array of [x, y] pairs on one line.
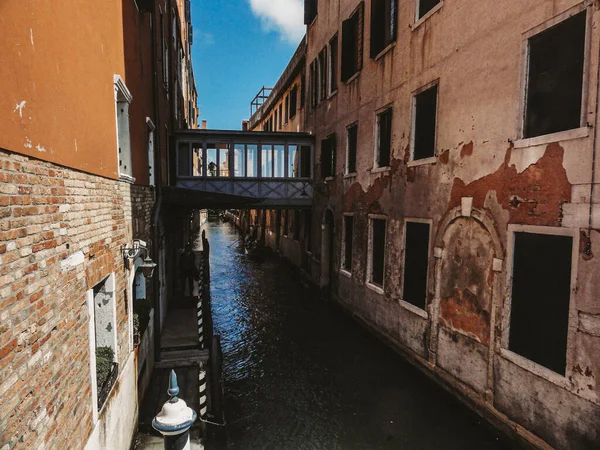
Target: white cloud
[[284, 16]]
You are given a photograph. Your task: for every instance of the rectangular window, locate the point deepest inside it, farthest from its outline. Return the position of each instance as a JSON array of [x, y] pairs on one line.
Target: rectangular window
[[105, 337], [183, 159], [333, 62], [251, 160], [424, 123], [293, 101], [313, 84], [383, 25], [424, 6], [239, 157], [352, 43], [279, 161], [150, 127], [197, 168], [322, 70], [310, 11], [384, 138], [305, 161], [328, 151], [555, 78], [287, 109], [276, 120], [352, 143], [416, 258], [348, 241], [302, 90], [266, 169], [280, 115], [122, 100], [541, 291], [377, 251]]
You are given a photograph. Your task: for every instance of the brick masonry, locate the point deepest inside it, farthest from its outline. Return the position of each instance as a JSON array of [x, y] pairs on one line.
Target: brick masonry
[[61, 232]]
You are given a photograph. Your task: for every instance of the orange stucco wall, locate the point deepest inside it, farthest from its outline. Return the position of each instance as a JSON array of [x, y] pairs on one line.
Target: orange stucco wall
[[58, 60]]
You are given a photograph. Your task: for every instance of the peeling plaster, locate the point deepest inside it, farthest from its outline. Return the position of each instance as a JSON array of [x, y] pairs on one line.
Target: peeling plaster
[[28, 143], [40, 148], [31, 36], [19, 107]]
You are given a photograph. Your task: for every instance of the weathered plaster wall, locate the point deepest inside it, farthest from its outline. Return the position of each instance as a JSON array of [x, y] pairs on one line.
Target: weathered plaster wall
[[482, 181]]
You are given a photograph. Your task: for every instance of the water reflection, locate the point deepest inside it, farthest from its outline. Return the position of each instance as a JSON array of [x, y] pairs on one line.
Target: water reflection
[[299, 374]]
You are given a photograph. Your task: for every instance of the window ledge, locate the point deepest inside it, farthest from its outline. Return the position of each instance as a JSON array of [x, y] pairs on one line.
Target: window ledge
[[423, 19], [386, 49], [350, 175], [353, 77], [381, 169], [375, 288], [421, 162], [576, 133], [536, 369], [414, 309], [345, 273], [330, 178], [126, 178], [332, 94]]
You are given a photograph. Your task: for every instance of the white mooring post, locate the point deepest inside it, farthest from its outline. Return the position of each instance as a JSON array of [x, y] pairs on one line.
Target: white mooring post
[[175, 419]]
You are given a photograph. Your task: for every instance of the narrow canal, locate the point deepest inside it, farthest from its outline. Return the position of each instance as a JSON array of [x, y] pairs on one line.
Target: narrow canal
[[300, 374]]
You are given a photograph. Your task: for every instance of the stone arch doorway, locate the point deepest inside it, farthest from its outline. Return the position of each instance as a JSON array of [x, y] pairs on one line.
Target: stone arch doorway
[[468, 291], [327, 255]]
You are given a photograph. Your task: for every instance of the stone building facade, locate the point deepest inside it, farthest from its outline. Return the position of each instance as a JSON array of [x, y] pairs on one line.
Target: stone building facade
[[456, 203], [84, 134]]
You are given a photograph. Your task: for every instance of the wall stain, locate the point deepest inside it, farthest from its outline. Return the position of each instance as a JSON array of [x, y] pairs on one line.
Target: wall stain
[[463, 312], [532, 197], [467, 150]]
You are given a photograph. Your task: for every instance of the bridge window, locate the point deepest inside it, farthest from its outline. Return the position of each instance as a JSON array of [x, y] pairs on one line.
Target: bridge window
[[278, 161], [217, 160], [239, 160], [252, 160], [305, 161], [266, 167], [196, 159], [293, 162]]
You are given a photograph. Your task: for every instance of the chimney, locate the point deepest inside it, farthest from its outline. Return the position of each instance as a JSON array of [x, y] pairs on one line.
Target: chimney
[[204, 124]]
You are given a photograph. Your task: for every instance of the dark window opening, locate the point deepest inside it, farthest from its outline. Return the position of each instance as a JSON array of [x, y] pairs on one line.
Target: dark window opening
[[352, 43], [384, 138], [287, 109], [377, 251], [425, 122], [333, 62], [322, 75], [555, 78], [305, 164], [352, 144], [280, 115], [348, 234], [312, 84], [293, 101], [383, 25], [302, 90], [425, 6], [328, 156], [310, 11], [540, 298], [416, 256]]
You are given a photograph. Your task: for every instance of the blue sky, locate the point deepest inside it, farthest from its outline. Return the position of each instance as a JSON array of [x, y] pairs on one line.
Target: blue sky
[[239, 45]]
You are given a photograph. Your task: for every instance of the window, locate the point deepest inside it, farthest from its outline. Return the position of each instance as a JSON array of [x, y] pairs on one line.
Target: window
[[352, 43], [305, 161], [122, 100], [352, 142], [333, 62], [280, 115], [287, 109], [276, 120], [348, 241], [103, 334], [313, 84], [376, 262], [424, 123], [383, 25], [165, 54], [302, 90], [416, 257], [150, 127], [310, 11], [322, 75], [293, 101], [555, 78], [384, 138], [541, 290], [424, 6], [328, 156]]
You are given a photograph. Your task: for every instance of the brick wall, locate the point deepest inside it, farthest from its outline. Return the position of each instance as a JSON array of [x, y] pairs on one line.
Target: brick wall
[[61, 232]]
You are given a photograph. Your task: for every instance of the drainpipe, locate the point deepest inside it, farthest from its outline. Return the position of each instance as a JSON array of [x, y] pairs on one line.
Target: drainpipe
[[155, 227], [588, 248]]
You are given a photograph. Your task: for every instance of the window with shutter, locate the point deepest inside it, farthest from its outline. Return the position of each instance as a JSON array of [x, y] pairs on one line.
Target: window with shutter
[[352, 43], [383, 25]]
